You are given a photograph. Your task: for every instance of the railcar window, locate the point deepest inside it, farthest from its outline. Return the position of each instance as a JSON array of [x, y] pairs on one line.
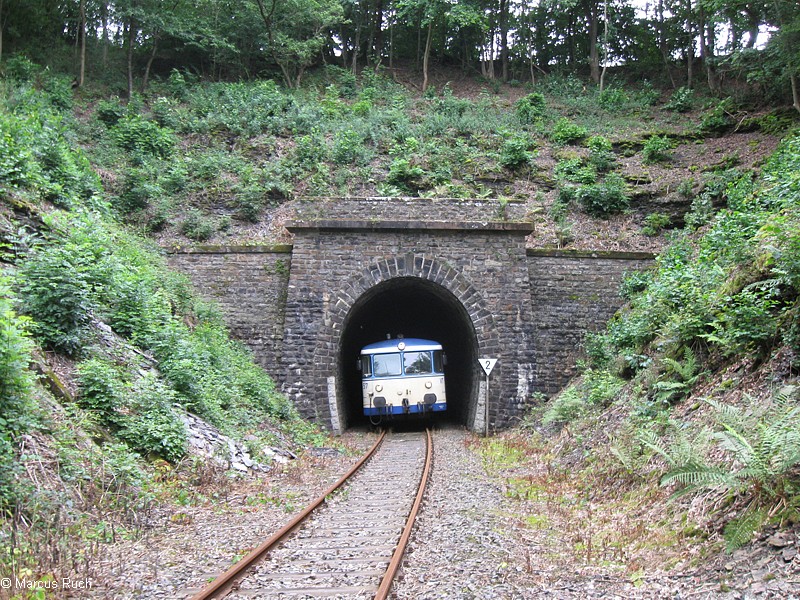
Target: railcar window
[[438, 361], [386, 365], [417, 363], [366, 366]]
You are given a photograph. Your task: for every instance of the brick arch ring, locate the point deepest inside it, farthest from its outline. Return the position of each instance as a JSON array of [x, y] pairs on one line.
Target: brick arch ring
[[420, 266]]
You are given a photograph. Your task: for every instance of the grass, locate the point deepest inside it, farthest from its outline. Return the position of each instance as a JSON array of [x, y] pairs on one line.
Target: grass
[[583, 506]]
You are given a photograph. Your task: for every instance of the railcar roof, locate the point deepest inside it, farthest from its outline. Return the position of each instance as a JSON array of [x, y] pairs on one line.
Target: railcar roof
[[411, 344]]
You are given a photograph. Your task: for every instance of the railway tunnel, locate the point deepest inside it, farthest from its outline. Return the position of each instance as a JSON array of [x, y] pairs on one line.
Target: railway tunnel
[[412, 307]]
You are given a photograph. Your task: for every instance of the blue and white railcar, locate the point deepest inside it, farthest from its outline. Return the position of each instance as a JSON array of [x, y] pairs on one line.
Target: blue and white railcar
[[402, 376]]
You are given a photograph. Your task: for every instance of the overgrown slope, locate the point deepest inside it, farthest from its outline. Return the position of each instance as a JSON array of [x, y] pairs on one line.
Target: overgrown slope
[[681, 437], [212, 161], [101, 348]]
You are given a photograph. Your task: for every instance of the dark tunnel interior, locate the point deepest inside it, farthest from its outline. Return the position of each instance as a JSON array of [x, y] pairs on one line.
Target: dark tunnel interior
[[412, 307]]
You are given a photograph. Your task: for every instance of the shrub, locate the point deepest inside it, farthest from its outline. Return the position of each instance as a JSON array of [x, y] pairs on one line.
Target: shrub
[[605, 198], [654, 223], [718, 119], [59, 284], [110, 111], [138, 191], [36, 155], [531, 108], [348, 147], [136, 134], [657, 149], [16, 386], [21, 68], [165, 112], [197, 226], [59, 92], [151, 425], [177, 84], [601, 154], [573, 169], [140, 412], [613, 99], [517, 152], [567, 132], [361, 108], [648, 95], [406, 175], [681, 100], [250, 202], [101, 387]]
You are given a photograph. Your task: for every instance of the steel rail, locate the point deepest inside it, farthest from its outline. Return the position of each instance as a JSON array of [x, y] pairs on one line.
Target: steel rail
[[223, 584], [397, 557]]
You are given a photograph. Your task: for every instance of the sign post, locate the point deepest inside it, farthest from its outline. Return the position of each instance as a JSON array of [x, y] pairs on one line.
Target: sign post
[[487, 364]]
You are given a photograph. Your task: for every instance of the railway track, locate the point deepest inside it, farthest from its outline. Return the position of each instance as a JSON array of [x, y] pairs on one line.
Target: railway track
[[347, 543]]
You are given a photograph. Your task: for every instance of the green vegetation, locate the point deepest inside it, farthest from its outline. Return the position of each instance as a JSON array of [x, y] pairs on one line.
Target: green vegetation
[[154, 138], [724, 296], [87, 301], [656, 149]]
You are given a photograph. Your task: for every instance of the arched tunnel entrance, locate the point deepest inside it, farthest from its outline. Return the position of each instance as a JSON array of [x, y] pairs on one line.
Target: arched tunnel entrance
[[413, 307]]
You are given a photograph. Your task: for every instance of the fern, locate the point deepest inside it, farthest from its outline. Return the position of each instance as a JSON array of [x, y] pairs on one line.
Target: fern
[[740, 530], [761, 450], [681, 378], [694, 476]]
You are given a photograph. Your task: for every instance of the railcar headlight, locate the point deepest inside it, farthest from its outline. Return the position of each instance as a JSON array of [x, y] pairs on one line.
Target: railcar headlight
[[428, 385], [379, 388]]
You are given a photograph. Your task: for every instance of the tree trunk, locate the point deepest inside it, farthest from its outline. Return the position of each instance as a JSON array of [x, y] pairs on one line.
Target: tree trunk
[[104, 18], [690, 46], [391, 47], [605, 45], [419, 40], [795, 92], [378, 47], [426, 58], [2, 27], [662, 43], [594, 54], [707, 40], [82, 34], [131, 39], [150, 60], [503, 23], [356, 49]]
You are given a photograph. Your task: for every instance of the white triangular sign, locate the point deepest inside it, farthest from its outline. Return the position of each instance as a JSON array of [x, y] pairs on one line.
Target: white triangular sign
[[487, 364]]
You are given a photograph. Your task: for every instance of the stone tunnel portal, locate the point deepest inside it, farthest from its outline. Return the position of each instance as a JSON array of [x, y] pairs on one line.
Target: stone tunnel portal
[[413, 307]]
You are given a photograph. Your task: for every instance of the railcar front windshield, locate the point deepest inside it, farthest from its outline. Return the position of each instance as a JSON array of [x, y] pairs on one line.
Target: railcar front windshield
[[396, 364], [387, 365], [417, 363]]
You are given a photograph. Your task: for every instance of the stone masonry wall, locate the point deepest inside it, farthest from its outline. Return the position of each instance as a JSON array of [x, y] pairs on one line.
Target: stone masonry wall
[[483, 265], [249, 283], [571, 293], [530, 308]]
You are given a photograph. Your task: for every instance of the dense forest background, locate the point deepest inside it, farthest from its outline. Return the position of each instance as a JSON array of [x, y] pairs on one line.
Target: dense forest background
[[736, 45]]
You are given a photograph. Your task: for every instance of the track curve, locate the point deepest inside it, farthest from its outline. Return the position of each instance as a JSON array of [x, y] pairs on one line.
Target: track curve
[[353, 545]]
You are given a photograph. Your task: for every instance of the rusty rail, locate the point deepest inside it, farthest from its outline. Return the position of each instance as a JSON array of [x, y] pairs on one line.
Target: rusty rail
[[397, 557], [223, 584]]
